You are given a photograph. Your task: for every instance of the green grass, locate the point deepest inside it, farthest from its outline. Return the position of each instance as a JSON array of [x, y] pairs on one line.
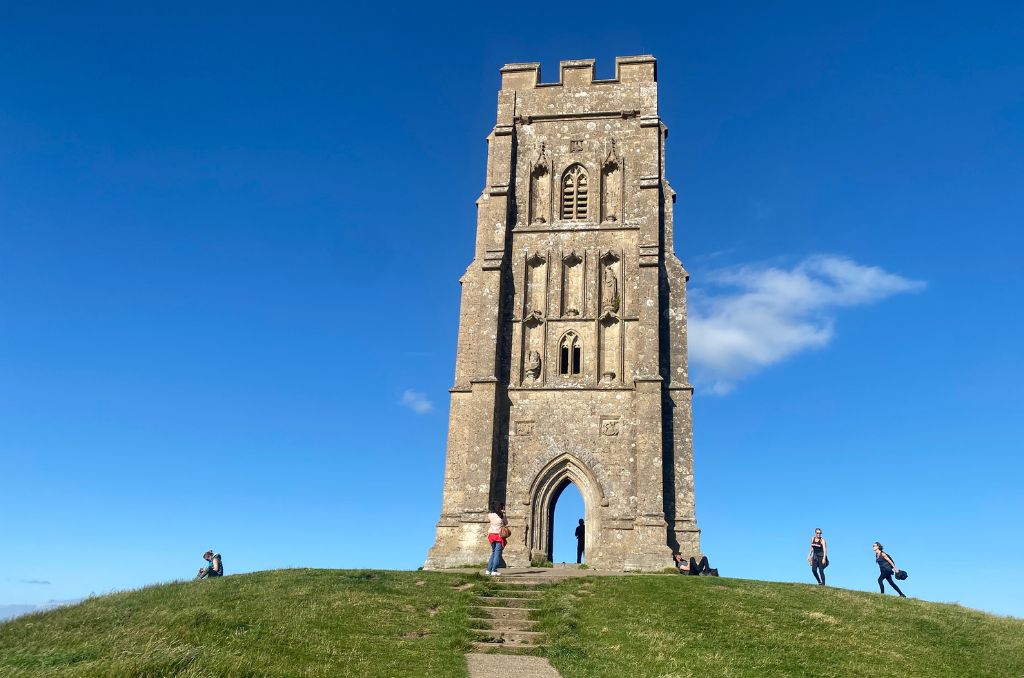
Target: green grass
[[278, 623], [661, 627], [376, 624]]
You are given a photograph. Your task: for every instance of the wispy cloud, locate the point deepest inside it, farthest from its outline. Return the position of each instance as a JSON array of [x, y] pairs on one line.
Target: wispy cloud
[[747, 318], [417, 402], [41, 582]]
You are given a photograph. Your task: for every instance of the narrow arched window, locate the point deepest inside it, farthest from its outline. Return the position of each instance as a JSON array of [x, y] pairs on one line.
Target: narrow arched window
[[570, 354], [574, 193]]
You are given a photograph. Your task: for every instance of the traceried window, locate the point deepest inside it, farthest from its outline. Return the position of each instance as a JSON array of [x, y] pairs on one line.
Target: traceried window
[[570, 354], [574, 193]]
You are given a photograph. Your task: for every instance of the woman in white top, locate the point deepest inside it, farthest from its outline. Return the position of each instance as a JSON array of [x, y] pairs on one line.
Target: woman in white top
[[495, 536]]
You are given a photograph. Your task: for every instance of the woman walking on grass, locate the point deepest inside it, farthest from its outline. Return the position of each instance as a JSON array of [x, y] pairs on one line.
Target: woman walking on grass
[[886, 567], [817, 556], [497, 535]]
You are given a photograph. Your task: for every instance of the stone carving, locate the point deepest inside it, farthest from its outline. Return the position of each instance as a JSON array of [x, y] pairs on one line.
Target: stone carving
[[524, 428], [540, 181], [540, 165], [610, 292], [611, 183], [610, 426], [533, 364], [576, 145], [611, 161]]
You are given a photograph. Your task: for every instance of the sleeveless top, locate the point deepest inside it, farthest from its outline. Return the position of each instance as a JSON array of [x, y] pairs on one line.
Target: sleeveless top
[[883, 564], [818, 547]]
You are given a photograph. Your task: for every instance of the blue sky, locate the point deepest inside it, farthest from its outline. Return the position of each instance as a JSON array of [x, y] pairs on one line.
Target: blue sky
[[230, 240]]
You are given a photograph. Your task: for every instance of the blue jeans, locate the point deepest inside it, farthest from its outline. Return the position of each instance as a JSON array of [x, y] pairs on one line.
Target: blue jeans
[[492, 564]]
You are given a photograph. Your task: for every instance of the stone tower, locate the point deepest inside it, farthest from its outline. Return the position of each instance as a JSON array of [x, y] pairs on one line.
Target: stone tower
[[571, 363]]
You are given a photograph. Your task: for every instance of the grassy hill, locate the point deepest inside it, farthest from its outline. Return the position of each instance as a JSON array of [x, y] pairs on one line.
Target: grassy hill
[[389, 624]]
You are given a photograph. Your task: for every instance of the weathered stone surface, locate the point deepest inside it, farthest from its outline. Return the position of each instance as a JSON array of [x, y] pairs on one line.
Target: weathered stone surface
[[571, 363]]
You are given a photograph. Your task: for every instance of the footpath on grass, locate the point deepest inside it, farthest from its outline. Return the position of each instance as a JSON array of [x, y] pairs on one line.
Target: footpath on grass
[[506, 637]]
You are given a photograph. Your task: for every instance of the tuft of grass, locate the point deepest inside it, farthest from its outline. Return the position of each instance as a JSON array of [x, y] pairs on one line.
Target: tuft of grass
[[609, 627], [279, 623]]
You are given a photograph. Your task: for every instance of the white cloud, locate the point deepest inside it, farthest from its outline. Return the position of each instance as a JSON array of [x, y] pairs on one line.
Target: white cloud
[[417, 401], [750, 317]]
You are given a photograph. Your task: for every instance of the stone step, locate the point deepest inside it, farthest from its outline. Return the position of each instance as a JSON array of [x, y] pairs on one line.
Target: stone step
[[502, 648], [533, 595], [520, 579], [508, 637], [510, 624], [506, 612], [540, 581], [503, 601]]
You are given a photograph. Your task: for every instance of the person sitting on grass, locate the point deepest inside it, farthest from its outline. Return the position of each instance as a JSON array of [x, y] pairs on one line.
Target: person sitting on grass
[[693, 567], [215, 567]]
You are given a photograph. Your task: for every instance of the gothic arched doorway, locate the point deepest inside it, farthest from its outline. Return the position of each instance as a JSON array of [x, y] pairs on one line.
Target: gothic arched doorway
[[548, 486]]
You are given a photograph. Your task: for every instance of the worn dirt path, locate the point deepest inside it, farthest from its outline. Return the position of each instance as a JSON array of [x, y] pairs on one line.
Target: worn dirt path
[[493, 665]]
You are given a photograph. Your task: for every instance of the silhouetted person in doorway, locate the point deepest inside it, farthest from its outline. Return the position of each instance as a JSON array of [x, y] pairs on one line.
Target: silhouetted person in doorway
[[581, 539]]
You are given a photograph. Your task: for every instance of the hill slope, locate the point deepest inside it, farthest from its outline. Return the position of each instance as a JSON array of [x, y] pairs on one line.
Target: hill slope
[[703, 626], [276, 623], [373, 623]]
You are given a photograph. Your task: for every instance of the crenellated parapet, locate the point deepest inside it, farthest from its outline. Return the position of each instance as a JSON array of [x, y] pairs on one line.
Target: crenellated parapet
[[580, 73]]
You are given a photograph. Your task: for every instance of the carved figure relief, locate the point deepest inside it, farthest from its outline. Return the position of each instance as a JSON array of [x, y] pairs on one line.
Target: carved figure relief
[[611, 185], [540, 189], [533, 364], [610, 291]]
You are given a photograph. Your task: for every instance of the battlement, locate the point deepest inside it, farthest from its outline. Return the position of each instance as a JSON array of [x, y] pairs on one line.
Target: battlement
[[580, 73]]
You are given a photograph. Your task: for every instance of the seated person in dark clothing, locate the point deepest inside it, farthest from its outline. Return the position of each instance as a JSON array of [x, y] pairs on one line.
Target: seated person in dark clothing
[[215, 567], [694, 567]]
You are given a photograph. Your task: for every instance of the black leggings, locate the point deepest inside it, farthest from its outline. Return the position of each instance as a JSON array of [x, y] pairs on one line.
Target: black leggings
[[818, 570], [886, 575]]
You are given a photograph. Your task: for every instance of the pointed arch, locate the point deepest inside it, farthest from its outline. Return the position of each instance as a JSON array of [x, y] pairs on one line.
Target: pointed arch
[[547, 487], [575, 193], [570, 354]]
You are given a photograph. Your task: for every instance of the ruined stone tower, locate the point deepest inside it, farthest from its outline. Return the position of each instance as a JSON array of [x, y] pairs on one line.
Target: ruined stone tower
[[571, 363]]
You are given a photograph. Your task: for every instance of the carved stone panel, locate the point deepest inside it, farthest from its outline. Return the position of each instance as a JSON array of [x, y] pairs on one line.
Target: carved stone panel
[[609, 425], [524, 428]]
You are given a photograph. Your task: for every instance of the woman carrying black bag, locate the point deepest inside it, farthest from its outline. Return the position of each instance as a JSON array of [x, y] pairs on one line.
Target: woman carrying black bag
[[817, 556], [886, 567]]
